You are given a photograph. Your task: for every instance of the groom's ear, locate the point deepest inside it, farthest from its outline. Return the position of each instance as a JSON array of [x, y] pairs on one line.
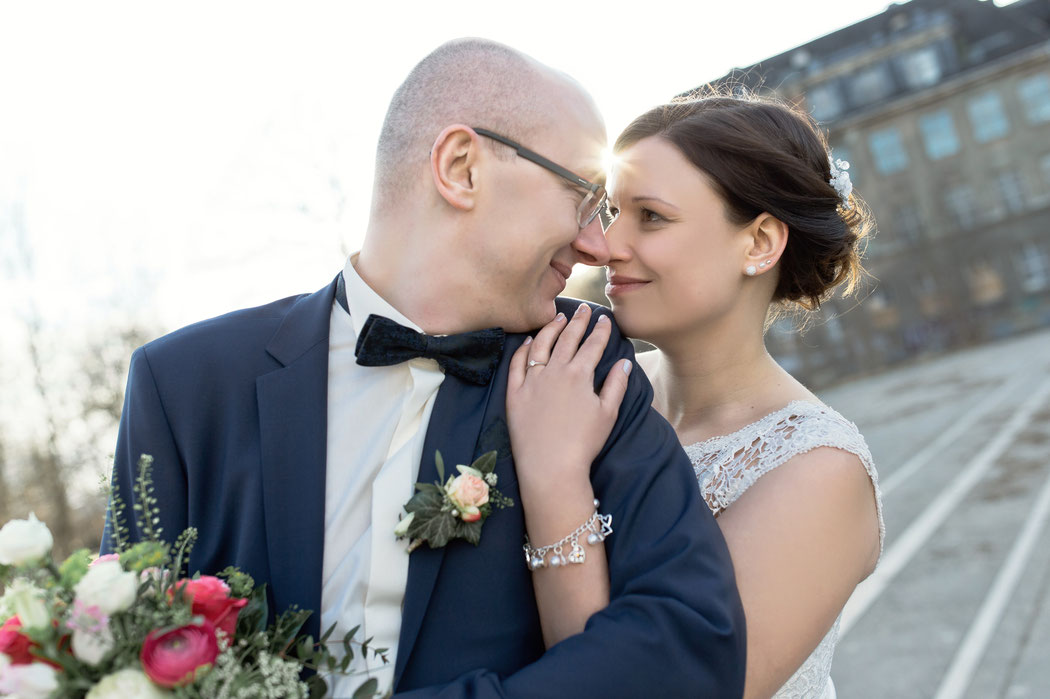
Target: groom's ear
[[454, 165]]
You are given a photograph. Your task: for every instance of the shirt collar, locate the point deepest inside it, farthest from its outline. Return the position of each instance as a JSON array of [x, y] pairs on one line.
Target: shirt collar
[[363, 300]]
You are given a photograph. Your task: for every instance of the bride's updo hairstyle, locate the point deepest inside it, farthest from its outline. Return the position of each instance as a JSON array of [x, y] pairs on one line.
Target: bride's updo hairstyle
[[763, 156]]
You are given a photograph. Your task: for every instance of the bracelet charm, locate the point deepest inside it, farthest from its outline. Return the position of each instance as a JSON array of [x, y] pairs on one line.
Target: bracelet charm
[[597, 527]]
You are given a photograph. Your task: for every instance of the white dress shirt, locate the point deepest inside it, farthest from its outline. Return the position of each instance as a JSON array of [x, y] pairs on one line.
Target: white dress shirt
[[377, 421]]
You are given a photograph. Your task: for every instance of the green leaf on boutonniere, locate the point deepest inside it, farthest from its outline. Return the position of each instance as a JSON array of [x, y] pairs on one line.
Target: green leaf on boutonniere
[[440, 463], [431, 523], [485, 463], [435, 513], [470, 531]]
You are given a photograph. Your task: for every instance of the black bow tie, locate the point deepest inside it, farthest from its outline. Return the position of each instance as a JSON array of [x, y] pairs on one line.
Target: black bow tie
[[471, 356]]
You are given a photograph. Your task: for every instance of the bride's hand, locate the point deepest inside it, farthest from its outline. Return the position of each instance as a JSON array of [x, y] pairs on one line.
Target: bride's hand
[[557, 428], [557, 423]]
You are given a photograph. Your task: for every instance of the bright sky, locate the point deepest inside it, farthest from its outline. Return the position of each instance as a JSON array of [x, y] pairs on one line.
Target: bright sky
[[184, 159]]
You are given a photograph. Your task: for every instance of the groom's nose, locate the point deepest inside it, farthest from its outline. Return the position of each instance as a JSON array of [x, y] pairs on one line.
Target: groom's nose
[[590, 245]]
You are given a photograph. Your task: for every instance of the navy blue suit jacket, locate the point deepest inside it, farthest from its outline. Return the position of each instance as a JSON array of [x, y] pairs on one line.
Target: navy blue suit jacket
[[233, 410]]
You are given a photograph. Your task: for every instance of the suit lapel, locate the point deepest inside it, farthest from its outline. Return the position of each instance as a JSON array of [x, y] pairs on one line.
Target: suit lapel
[[293, 427], [455, 424]]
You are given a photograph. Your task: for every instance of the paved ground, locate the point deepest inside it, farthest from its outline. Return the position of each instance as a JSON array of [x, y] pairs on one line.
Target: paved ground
[[960, 604]]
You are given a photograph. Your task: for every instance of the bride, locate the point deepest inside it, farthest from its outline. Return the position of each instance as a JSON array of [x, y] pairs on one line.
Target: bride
[[727, 211]]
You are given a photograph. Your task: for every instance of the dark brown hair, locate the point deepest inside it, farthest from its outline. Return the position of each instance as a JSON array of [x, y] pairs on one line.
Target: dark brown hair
[[763, 156]]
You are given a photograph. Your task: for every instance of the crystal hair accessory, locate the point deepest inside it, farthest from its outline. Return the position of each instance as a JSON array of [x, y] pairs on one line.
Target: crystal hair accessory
[[840, 179]]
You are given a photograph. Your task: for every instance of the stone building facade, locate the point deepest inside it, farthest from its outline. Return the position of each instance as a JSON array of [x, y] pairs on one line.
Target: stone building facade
[[942, 107]]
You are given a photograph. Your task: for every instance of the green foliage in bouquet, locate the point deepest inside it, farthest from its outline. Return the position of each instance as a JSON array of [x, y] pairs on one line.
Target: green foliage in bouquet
[[133, 624]]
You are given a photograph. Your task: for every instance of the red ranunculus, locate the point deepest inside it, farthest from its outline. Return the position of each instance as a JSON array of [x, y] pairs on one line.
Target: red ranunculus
[[17, 646], [176, 658], [211, 599], [14, 643]]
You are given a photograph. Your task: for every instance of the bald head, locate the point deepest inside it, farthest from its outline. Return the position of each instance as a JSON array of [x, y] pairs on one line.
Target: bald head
[[476, 82]]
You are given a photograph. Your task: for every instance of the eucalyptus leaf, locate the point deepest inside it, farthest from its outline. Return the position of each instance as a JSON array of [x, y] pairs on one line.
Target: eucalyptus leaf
[[317, 686], [368, 689]]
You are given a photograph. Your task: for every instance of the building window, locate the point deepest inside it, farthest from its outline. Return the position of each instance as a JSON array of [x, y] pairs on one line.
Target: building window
[[960, 205], [986, 284], [1033, 267], [887, 149], [922, 67], [1011, 191], [907, 223], [1035, 95], [825, 102], [988, 117], [871, 85], [938, 134]]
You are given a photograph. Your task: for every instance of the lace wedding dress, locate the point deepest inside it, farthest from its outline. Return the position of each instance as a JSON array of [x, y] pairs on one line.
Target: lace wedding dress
[[727, 465]]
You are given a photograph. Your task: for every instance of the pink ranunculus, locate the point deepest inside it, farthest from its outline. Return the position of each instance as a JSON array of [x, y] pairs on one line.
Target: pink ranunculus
[[105, 557], [468, 493], [211, 599], [178, 657]]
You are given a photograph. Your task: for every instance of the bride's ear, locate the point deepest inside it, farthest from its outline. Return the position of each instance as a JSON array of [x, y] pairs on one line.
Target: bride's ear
[[767, 238]]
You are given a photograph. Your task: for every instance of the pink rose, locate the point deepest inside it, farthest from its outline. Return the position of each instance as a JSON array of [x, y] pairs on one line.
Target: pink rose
[[468, 493], [177, 657], [211, 599]]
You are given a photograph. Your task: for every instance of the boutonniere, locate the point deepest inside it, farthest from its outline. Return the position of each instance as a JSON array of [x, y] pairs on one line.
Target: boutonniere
[[452, 509]]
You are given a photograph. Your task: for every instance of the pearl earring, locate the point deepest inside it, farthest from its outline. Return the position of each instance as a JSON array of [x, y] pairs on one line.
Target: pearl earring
[[750, 271], [763, 263]]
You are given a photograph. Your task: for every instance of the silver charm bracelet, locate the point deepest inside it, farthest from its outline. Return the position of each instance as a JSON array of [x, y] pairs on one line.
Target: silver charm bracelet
[[599, 527]]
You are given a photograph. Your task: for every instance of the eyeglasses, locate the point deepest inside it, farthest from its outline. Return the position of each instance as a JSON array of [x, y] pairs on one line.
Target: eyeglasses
[[596, 196]]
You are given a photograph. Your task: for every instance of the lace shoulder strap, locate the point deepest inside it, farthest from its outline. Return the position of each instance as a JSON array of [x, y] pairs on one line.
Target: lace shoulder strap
[[728, 465]]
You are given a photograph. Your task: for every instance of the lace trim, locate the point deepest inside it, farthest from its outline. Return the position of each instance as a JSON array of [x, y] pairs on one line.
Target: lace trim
[[727, 465]]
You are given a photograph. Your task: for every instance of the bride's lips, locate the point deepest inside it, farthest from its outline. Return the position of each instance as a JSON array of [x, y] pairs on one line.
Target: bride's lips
[[563, 270], [620, 284]]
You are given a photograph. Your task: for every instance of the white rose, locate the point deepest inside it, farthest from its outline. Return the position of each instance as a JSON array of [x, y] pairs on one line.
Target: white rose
[[27, 601], [33, 681], [91, 647], [108, 587], [126, 683], [24, 541]]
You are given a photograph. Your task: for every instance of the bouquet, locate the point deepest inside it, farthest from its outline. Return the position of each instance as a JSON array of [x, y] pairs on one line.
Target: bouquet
[[131, 624]]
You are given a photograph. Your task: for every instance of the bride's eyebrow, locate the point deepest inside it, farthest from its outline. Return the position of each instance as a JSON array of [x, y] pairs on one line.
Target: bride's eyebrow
[[644, 199]]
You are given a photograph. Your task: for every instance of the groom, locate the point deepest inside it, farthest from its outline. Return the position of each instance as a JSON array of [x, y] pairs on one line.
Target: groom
[[292, 453]]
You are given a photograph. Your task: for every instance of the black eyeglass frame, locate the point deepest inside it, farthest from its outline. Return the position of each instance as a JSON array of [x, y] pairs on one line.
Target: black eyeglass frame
[[593, 188]]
